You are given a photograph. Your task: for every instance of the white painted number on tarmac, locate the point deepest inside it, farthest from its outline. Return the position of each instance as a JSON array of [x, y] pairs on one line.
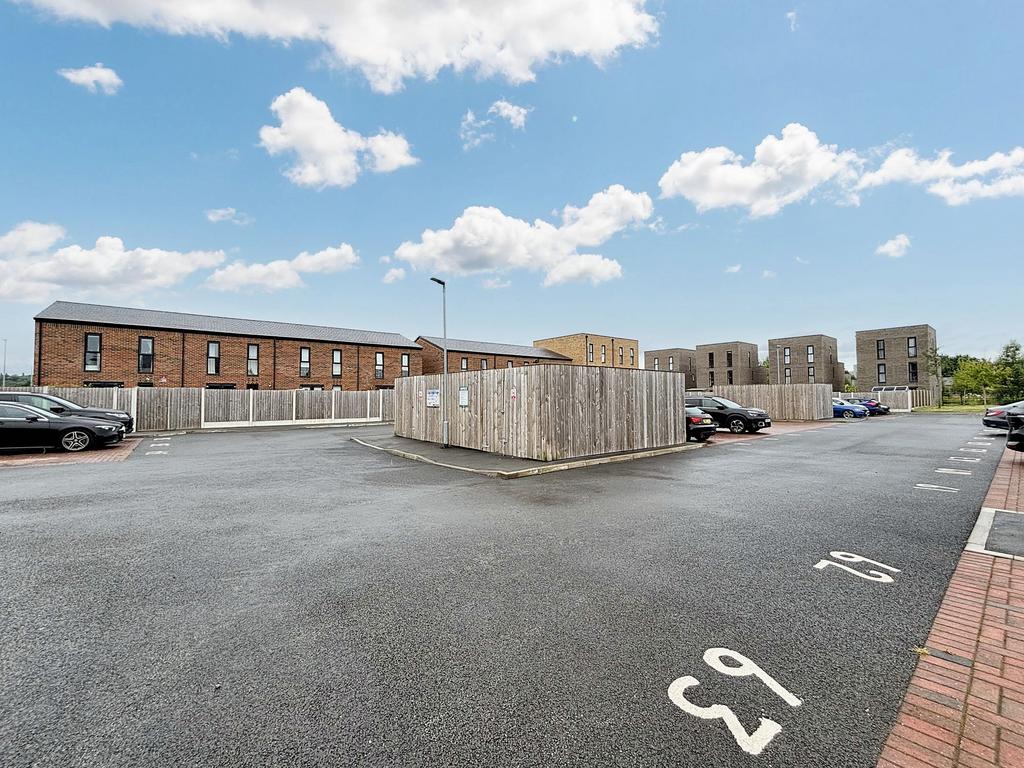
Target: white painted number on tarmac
[[849, 557], [767, 729]]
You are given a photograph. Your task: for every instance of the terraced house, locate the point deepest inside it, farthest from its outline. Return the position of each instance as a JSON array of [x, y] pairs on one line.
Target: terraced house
[[464, 355], [97, 345]]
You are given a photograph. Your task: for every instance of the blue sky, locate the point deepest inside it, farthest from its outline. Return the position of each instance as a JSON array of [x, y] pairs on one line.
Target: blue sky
[[647, 258]]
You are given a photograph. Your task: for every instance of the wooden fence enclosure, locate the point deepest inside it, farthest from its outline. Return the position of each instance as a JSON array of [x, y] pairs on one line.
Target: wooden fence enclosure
[[546, 412], [784, 402], [172, 408]]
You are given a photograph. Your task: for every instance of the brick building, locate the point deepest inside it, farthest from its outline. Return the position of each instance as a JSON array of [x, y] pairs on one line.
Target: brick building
[[810, 359], [90, 344], [592, 349], [730, 362], [678, 359], [466, 355], [900, 356]]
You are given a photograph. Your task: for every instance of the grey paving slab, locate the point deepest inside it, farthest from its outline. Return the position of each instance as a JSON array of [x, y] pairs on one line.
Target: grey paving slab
[[1007, 534]]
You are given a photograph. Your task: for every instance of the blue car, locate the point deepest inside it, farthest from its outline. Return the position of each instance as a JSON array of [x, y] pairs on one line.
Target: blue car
[[844, 410]]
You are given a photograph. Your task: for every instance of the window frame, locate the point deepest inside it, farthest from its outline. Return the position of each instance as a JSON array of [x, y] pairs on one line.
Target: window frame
[[881, 373], [632, 357], [378, 365], [590, 352], [810, 374], [464, 364], [787, 356], [787, 375], [622, 357], [250, 370], [729, 376], [880, 349], [405, 364], [483, 363], [307, 362], [604, 354], [728, 358], [98, 353], [151, 353], [913, 372], [214, 359], [337, 359], [911, 348], [657, 363], [671, 362], [810, 354]]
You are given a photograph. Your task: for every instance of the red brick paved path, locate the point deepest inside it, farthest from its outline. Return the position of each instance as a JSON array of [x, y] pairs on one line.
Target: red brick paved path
[[118, 452], [965, 702]]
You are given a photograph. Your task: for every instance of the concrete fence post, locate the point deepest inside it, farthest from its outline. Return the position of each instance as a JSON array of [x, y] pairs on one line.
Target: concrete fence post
[[334, 399], [252, 401], [202, 408], [295, 395]]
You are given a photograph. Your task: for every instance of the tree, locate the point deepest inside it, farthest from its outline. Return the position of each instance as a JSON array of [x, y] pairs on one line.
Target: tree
[[1011, 388], [981, 377]]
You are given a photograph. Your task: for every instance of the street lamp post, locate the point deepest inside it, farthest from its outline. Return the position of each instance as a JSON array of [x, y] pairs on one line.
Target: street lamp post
[[444, 352], [4, 384], [778, 364]]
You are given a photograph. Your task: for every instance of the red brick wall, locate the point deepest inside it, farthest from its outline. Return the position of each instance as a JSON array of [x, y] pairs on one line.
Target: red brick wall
[[63, 360], [432, 357]]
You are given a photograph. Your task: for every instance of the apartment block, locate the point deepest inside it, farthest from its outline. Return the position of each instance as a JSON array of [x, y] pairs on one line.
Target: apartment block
[[95, 345], [677, 359], [900, 356], [730, 362], [593, 349], [810, 359], [464, 355]]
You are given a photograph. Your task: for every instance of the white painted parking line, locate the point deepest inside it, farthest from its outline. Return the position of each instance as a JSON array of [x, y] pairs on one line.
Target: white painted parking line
[[978, 443], [156, 453], [964, 458], [973, 450], [947, 471], [939, 488], [771, 438]]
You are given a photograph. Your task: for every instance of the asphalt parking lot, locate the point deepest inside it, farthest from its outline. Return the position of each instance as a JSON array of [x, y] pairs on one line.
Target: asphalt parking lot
[[293, 598]]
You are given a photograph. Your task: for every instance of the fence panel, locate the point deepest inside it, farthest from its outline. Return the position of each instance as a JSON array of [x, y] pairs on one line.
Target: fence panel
[[159, 408], [784, 402], [272, 405], [312, 404]]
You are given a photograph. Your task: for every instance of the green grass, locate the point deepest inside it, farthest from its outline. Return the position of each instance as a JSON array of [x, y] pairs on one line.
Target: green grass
[[977, 410]]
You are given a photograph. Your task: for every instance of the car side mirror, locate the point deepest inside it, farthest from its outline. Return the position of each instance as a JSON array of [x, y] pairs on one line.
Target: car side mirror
[[31, 418], [58, 409]]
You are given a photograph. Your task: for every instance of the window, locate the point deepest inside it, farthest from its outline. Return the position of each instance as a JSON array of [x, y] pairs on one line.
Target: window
[[711, 378], [405, 363], [912, 346], [786, 355], [711, 359], [464, 364], [671, 363], [590, 353], [336, 363], [304, 362], [604, 354], [93, 351], [213, 357], [621, 358], [810, 354], [912, 373], [145, 354], [728, 359], [788, 373], [810, 374], [728, 377], [509, 364], [483, 363], [880, 349], [378, 365], [252, 361], [657, 364], [881, 373], [632, 358], [252, 385]]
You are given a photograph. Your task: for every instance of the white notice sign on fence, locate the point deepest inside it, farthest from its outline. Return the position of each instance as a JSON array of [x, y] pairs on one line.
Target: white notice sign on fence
[[433, 398], [463, 397]]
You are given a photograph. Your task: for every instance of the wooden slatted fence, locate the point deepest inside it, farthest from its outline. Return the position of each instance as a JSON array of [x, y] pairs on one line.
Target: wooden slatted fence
[[784, 402]]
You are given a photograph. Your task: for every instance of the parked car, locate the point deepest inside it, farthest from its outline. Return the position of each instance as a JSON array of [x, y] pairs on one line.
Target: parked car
[[699, 425], [22, 426], [996, 415], [874, 407], [844, 410], [1015, 423], [62, 407], [732, 416]]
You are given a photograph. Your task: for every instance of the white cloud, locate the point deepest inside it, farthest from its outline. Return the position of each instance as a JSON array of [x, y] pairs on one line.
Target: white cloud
[[282, 273], [801, 260], [327, 153], [895, 248], [496, 283], [768, 274], [32, 270], [784, 171], [95, 78], [218, 215], [732, 270], [1001, 174], [393, 275], [515, 115], [473, 131], [486, 240], [792, 19], [391, 41]]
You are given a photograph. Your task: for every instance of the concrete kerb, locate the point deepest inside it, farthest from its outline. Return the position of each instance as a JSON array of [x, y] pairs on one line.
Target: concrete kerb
[[533, 471], [214, 430]]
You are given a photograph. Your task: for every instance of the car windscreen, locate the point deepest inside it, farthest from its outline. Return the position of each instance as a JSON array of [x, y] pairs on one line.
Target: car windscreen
[[31, 410], [728, 403], [65, 403], [691, 411]]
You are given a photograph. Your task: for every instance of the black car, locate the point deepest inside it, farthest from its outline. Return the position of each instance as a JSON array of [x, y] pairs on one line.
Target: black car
[[996, 415], [22, 426], [699, 425], [732, 416], [874, 407], [1015, 437], [62, 407]]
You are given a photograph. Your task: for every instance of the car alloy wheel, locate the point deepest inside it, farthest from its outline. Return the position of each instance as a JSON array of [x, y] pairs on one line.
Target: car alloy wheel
[[75, 440], [848, 414], [737, 426]]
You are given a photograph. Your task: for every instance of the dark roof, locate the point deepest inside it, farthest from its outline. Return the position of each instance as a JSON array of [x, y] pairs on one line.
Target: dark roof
[[490, 348], [98, 314]]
